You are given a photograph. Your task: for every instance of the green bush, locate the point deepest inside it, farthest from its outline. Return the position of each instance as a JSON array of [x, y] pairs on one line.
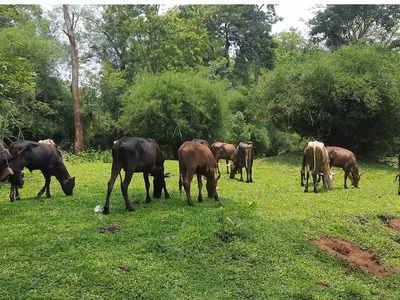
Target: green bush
[[174, 107], [348, 98]]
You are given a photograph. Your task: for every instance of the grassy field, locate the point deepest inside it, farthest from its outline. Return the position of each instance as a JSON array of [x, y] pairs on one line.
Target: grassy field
[[256, 245]]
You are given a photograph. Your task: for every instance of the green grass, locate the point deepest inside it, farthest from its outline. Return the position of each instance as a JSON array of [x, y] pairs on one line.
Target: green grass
[[258, 245]]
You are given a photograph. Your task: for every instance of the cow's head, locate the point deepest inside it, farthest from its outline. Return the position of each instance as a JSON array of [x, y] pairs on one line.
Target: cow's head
[[68, 185], [212, 185], [159, 183], [354, 176]]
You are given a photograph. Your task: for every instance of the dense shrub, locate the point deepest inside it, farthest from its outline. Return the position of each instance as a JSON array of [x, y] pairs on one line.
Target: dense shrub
[[346, 98], [174, 107]]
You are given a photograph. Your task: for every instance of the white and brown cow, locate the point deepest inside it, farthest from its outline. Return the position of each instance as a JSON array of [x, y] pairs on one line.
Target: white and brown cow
[[316, 160]]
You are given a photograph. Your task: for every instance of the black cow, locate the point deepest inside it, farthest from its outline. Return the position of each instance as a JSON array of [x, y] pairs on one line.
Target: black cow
[[137, 155], [43, 157], [5, 157]]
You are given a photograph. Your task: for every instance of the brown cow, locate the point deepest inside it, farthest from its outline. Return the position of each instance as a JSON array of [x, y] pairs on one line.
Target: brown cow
[[316, 159], [223, 151], [343, 158], [5, 157], [243, 157], [195, 158]]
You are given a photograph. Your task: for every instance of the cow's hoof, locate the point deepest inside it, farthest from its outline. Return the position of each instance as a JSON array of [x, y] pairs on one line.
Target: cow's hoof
[[345, 187], [130, 209], [38, 195], [48, 196], [18, 198], [200, 199], [167, 196], [12, 200], [148, 200], [315, 191], [305, 190], [106, 211], [399, 193], [190, 203]]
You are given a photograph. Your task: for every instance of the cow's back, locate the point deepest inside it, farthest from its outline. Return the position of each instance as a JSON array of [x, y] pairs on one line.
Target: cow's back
[[316, 156], [138, 154], [38, 157], [341, 157], [196, 156]]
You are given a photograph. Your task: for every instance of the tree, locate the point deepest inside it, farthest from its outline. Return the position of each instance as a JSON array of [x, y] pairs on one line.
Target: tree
[[246, 32], [71, 21], [347, 98], [339, 25]]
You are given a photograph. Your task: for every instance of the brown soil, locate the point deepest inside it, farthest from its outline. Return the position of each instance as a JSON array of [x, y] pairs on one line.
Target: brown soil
[[353, 255], [111, 228], [394, 224], [321, 285]]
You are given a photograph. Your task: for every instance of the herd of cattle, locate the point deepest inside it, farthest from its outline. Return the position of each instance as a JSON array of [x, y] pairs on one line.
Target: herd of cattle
[[133, 155], [143, 155]]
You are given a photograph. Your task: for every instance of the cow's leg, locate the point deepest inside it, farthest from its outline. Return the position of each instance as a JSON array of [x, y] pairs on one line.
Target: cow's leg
[[186, 184], [227, 166], [12, 195], [147, 184], [17, 193], [124, 189], [166, 195], [241, 174], [200, 185], [48, 180], [46, 186], [307, 177], [346, 173], [114, 174], [315, 181], [219, 172]]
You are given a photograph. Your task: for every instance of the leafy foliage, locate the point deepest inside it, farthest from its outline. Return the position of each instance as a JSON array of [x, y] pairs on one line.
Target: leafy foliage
[[347, 98], [174, 107], [339, 25]]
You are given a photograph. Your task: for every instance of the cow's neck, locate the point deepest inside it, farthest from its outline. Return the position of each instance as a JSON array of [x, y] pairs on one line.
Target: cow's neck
[[62, 173]]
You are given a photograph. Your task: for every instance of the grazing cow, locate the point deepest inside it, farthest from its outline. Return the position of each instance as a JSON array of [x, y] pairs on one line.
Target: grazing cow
[[201, 141], [225, 151], [38, 156], [195, 158], [137, 155], [5, 157], [243, 157], [316, 159], [343, 158], [47, 141]]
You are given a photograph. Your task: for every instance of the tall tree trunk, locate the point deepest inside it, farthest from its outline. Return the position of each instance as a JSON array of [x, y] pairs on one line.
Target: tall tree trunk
[[70, 32]]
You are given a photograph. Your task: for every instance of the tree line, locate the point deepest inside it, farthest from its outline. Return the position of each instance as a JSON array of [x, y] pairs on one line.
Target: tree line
[[200, 71]]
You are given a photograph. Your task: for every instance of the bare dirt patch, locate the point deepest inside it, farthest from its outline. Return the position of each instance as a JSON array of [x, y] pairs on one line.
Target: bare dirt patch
[[353, 255], [111, 228], [391, 221], [321, 285]]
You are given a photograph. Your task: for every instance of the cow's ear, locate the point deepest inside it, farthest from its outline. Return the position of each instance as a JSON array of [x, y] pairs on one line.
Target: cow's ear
[[26, 148]]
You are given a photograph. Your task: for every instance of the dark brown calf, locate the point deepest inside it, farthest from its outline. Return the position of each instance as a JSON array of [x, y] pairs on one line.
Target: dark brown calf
[[345, 159], [195, 158], [243, 158]]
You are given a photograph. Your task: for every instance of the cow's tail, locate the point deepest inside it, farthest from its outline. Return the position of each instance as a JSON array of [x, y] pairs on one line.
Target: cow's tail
[[313, 146], [115, 163]]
